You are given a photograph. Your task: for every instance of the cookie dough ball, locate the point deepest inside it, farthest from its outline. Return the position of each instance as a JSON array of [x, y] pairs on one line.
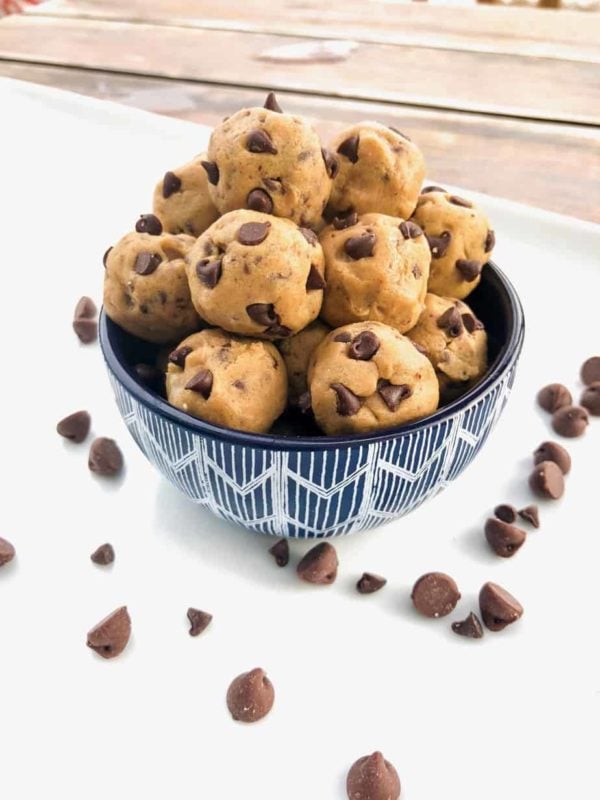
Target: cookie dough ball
[[379, 169], [455, 342], [272, 162], [182, 201], [145, 287], [460, 239], [367, 376], [238, 383], [296, 352], [376, 268], [258, 275]]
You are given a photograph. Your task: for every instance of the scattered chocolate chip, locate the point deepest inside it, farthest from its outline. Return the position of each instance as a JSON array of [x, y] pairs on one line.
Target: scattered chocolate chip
[[349, 149], [369, 583], [364, 346], [201, 383], [547, 480], [103, 555], [506, 513], [435, 594], [451, 322], [262, 313], [171, 184], [590, 399], [470, 627], [259, 141], [498, 607], [490, 242], [471, 323], [209, 272], [105, 458], [346, 220], [199, 621], [178, 356], [360, 246], [147, 263], [315, 280], [373, 778], [310, 236], [212, 171], [319, 565], [410, 230], [503, 538], [85, 308], [253, 233], [590, 370], [460, 201], [428, 189], [75, 427], [531, 515], [439, 244], [259, 200], [552, 451], [343, 337], [281, 552], [331, 163], [86, 330], [250, 696], [304, 402], [7, 551], [348, 404], [553, 397], [105, 256], [393, 394], [570, 421], [470, 270], [271, 103], [110, 636], [149, 223]]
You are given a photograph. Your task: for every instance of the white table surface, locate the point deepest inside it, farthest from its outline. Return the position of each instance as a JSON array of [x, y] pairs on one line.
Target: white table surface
[[514, 716]]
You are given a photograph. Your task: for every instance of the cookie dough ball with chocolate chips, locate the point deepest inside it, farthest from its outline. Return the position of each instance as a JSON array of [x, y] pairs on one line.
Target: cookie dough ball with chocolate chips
[[455, 342], [366, 376], [296, 352], [379, 169], [376, 268], [146, 290], [227, 380], [182, 200], [460, 239], [257, 275], [265, 160]]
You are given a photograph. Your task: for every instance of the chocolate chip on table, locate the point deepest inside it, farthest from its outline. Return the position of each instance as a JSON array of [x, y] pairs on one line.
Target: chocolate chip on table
[[149, 223], [498, 607], [110, 636], [262, 313], [531, 514], [490, 241], [369, 583], [105, 458], [552, 451], [554, 396], [503, 538], [345, 220], [435, 594], [199, 621], [179, 355], [86, 330], [470, 627], [319, 565], [451, 322], [171, 184], [7, 551], [373, 778], [250, 696], [281, 552], [343, 337], [460, 201], [147, 263], [212, 171], [364, 346], [253, 233], [271, 103], [105, 256], [470, 270], [315, 280], [393, 394], [85, 308], [259, 141], [547, 480], [103, 555], [439, 244], [590, 399], [349, 149], [360, 246], [331, 163], [201, 383], [570, 421], [75, 427], [428, 189], [410, 230], [310, 236], [506, 513], [590, 370], [209, 272], [259, 200], [348, 404]]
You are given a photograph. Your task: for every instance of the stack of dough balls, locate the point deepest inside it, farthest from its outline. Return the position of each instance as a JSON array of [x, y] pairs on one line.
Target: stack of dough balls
[[275, 273]]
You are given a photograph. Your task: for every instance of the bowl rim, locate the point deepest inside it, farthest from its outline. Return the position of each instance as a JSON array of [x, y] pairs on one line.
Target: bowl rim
[[507, 356]]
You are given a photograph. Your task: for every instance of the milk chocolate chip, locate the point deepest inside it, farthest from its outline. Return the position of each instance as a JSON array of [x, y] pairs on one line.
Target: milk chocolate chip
[[110, 636], [253, 233], [470, 627], [547, 480], [7, 551], [319, 565], [103, 555], [358, 247], [503, 538], [147, 263], [553, 397], [373, 778], [281, 552], [435, 594], [552, 451], [498, 607], [105, 458], [250, 696], [75, 427], [570, 421], [85, 308], [369, 583], [199, 621], [506, 513], [393, 394], [531, 514], [590, 399], [259, 200], [590, 370]]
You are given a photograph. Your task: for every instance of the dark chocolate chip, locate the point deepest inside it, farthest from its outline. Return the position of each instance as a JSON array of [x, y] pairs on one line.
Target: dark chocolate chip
[[547, 480], [201, 383], [149, 223], [262, 313], [7, 551], [271, 103], [503, 538], [253, 233], [85, 308], [212, 171], [259, 141], [460, 201], [428, 189], [590, 370], [471, 323], [403, 135], [75, 427], [310, 236], [86, 330], [103, 555], [105, 458], [369, 583], [470, 627], [105, 256], [171, 184], [209, 272], [110, 636], [531, 514], [147, 263], [345, 220], [259, 200], [199, 621], [435, 594], [393, 394], [570, 421], [343, 337], [281, 552], [360, 246], [364, 346], [304, 402], [179, 355], [451, 322], [410, 230], [553, 397], [315, 280], [250, 696], [319, 565], [590, 399], [506, 513], [498, 607], [348, 404], [373, 778], [470, 270], [490, 242], [349, 149], [552, 451], [331, 163], [439, 244]]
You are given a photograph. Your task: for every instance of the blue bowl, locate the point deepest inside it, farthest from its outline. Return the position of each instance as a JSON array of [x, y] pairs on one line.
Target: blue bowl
[[315, 486]]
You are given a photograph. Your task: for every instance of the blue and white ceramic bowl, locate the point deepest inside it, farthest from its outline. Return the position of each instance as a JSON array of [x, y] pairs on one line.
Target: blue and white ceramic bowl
[[314, 486]]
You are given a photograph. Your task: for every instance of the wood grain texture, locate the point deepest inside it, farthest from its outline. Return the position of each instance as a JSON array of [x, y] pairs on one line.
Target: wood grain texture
[[556, 167]]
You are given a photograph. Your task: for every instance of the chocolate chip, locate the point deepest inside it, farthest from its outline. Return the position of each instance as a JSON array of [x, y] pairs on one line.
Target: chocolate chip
[[250, 696], [199, 621], [439, 244], [85, 308], [281, 552], [360, 246], [274, 185], [570, 421], [149, 223], [349, 149], [347, 403], [428, 189], [7, 551], [212, 171], [435, 594], [331, 163], [103, 555], [498, 607], [345, 220], [319, 565], [460, 201], [147, 263], [343, 337], [590, 399], [547, 480], [104, 457], [201, 383], [470, 270], [553, 397], [271, 103], [105, 256], [315, 280], [503, 538], [451, 322], [262, 313], [110, 636], [171, 184], [75, 427], [471, 323], [372, 778], [259, 200], [278, 330], [209, 272], [531, 514], [310, 236], [393, 394], [590, 370], [552, 451], [506, 513], [253, 233], [470, 627], [364, 346], [86, 330], [259, 141], [490, 242], [179, 355], [410, 230], [304, 402], [369, 583]]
